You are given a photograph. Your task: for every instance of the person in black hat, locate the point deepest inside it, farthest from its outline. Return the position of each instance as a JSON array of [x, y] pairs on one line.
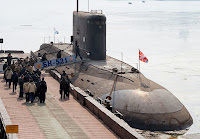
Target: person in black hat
[[64, 87], [44, 58], [14, 79], [78, 51], [63, 74], [59, 54], [42, 90], [21, 84], [8, 75], [9, 59], [5, 65]]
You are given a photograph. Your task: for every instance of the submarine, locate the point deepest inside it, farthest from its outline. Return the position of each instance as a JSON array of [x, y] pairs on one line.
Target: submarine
[[143, 103]]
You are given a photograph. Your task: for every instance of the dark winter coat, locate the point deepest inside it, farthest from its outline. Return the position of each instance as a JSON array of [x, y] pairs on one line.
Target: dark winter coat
[[43, 86], [42, 89], [77, 49], [22, 71], [44, 58], [26, 77], [33, 77], [38, 72], [63, 75], [9, 59], [5, 66], [21, 82], [59, 54], [64, 84], [14, 77]]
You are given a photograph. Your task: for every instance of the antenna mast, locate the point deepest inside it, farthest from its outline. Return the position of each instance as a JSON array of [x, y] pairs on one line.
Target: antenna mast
[[77, 5]]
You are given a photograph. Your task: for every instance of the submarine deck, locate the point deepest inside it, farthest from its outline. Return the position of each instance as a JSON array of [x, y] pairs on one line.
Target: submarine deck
[[54, 119], [110, 63]]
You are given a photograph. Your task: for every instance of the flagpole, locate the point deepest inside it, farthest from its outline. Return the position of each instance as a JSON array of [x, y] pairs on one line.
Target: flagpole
[[139, 65], [139, 59], [122, 60], [54, 35]]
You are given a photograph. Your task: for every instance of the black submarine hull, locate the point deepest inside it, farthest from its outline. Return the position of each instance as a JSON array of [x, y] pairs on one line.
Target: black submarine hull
[[143, 103]]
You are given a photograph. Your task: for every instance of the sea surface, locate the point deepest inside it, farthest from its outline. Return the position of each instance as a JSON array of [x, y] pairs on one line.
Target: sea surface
[[167, 32]]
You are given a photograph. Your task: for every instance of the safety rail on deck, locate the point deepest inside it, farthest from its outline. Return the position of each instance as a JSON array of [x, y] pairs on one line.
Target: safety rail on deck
[[118, 114], [3, 134], [100, 100]]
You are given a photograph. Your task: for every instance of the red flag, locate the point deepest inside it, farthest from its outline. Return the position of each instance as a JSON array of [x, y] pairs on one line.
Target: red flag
[[142, 57]]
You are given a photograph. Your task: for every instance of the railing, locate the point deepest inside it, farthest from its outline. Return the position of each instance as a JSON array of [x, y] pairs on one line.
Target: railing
[[3, 134], [98, 99], [118, 114]]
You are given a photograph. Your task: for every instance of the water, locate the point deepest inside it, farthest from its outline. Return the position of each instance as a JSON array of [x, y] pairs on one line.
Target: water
[[167, 32]]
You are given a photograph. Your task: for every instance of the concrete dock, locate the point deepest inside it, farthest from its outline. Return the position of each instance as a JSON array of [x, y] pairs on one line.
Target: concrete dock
[[56, 119]]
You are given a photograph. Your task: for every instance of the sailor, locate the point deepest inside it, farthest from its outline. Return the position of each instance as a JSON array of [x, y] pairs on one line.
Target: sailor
[[78, 51], [26, 60], [63, 74], [32, 90], [31, 61], [37, 83], [21, 84], [107, 103], [67, 86], [12, 66], [5, 65], [59, 54], [27, 76], [14, 79], [26, 88], [30, 68], [23, 70], [8, 75], [18, 68], [44, 57], [38, 72], [9, 59], [64, 87], [42, 90]]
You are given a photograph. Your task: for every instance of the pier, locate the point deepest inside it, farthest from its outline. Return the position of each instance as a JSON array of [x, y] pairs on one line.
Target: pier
[[63, 119]]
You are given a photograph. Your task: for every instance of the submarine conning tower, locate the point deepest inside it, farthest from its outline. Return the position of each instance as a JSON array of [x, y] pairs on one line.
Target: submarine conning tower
[[89, 32]]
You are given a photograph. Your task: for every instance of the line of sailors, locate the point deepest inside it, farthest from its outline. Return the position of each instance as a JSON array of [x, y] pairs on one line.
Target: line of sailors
[[65, 81], [64, 85], [22, 73]]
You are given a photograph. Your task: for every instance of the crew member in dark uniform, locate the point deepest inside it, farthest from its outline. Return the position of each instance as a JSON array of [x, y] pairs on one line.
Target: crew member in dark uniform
[[5, 66], [38, 72], [67, 86], [21, 84], [78, 51], [42, 90], [63, 74], [14, 79], [59, 54], [9, 59], [4, 69], [44, 58], [64, 87]]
